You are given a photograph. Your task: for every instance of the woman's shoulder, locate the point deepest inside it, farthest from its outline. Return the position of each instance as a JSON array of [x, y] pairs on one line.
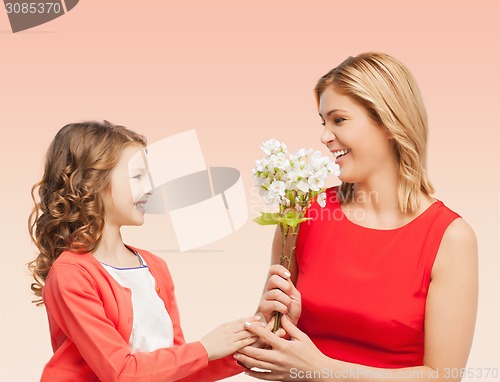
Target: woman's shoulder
[[458, 249], [444, 209], [460, 231], [457, 241]]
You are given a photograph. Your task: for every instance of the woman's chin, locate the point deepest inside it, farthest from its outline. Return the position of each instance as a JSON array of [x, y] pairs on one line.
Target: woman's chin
[[346, 177], [343, 177]]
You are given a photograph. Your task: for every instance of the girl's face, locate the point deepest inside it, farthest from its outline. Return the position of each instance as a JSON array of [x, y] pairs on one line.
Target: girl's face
[[361, 147], [131, 186]]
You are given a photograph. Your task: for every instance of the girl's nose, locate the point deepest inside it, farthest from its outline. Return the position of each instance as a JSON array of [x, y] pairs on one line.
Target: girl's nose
[[148, 185]]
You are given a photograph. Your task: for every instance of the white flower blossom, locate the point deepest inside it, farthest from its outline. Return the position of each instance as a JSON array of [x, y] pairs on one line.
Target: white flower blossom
[[303, 153], [322, 199], [333, 168], [259, 167], [272, 199], [280, 161], [278, 187], [273, 146], [303, 186], [292, 176], [322, 173], [315, 183], [305, 172], [288, 180]]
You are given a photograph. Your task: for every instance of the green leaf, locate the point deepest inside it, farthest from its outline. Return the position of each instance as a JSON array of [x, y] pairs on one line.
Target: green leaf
[[291, 219], [267, 218], [313, 194]]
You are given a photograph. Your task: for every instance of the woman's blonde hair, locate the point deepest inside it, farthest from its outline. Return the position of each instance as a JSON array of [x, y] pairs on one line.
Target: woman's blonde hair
[[389, 93], [70, 213]]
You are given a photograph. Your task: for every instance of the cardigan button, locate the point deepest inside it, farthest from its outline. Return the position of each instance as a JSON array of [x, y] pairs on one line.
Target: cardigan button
[[157, 290]]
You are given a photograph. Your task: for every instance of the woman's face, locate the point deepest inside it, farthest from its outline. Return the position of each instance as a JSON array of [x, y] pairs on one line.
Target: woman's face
[[131, 186], [367, 147]]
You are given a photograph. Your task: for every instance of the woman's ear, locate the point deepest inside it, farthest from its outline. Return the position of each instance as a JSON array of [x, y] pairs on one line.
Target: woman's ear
[[386, 131], [388, 134]]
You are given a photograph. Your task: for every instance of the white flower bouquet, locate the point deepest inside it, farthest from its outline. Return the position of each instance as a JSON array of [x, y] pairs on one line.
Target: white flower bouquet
[[290, 182]]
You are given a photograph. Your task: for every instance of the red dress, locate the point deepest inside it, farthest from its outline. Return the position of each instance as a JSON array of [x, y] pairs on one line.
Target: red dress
[[364, 290]]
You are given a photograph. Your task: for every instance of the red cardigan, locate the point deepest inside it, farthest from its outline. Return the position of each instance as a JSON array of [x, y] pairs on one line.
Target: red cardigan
[[90, 321]]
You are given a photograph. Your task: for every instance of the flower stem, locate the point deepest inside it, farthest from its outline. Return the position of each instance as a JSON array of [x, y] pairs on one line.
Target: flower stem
[[285, 260]]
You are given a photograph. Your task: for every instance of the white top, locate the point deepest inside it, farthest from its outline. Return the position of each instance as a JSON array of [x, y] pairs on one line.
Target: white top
[[152, 327]]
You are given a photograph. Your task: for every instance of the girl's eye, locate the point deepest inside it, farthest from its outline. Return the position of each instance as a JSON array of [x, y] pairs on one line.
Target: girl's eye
[[323, 123], [137, 177]]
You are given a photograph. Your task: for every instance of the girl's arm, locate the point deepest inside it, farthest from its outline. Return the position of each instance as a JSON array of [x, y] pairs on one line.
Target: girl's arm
[[74, 304], [216, 369], [449, 327]]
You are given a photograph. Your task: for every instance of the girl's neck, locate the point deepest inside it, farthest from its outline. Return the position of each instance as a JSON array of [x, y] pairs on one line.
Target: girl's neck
[[112, 251]]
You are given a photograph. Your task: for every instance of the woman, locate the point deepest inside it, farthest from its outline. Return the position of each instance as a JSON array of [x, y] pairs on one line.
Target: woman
[[111, 307], [386, 275]]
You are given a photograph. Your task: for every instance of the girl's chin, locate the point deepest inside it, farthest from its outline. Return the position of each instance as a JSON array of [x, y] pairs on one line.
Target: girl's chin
[[138, 219], [139, 208]]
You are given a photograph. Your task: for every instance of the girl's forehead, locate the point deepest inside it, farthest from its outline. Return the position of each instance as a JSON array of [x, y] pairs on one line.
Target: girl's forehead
[[138, 159]]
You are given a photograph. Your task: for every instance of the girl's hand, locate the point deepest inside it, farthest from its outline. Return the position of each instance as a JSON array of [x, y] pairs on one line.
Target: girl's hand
[[280, 295], [283, 355], [229, 338], [260, 343]]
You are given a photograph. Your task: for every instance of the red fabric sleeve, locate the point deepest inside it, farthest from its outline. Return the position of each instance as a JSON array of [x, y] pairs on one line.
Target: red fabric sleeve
[[215, 370], [73, 302]]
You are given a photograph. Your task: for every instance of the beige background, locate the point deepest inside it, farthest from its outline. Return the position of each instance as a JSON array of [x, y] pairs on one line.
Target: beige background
[[239, 73]]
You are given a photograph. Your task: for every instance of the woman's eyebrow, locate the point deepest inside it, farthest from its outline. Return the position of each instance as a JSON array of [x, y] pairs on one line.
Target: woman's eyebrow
[[332, 111]]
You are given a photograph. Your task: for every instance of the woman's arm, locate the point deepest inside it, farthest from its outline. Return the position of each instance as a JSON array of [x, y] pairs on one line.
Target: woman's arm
[[449, 327], [451, 306]]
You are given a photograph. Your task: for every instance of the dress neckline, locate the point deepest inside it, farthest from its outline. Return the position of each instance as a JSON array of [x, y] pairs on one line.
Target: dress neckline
[[411, 222]]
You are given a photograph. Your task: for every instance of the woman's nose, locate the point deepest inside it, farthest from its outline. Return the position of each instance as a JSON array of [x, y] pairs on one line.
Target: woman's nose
[[327, 136]]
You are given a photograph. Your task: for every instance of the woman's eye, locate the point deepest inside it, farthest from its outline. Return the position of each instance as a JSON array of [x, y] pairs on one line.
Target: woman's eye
[[335, 120], [137, 177]]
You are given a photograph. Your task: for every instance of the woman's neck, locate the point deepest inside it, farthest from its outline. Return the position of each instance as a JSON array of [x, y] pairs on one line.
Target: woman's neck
[[379, 193], [375, 201]]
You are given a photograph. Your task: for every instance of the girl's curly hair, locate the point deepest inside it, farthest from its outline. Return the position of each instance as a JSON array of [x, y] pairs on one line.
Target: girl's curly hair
[[70, 213]]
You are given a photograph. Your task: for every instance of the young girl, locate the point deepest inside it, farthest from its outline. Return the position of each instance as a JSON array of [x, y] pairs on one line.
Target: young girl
[[385, 275], [111, 307]]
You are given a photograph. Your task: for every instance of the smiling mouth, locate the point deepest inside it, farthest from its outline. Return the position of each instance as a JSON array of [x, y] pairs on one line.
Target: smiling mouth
[[340, 153], [140, 204]]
